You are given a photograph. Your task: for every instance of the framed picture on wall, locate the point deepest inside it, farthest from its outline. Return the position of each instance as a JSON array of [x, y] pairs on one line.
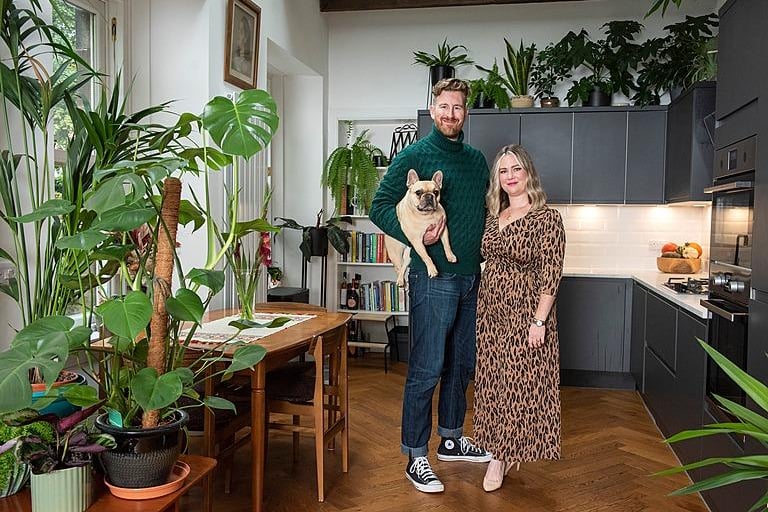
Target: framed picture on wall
[[241, 58]]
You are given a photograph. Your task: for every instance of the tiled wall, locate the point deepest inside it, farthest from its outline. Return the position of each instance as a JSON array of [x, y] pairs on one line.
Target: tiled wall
[[618, 237]]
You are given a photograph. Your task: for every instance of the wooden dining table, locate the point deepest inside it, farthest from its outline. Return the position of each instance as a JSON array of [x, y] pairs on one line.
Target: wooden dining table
[[281, 347]]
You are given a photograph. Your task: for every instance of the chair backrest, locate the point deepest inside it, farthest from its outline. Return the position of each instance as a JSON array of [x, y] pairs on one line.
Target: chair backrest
[[329, 350]]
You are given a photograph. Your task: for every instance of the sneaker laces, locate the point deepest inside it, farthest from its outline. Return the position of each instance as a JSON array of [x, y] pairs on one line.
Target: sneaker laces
[[421, 467], [467, 445]]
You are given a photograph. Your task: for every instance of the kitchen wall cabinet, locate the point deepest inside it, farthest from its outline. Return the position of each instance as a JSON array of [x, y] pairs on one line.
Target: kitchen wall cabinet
[[637, 356], [490, 132], [548, 137], [690, 149], [599, 157], [591, 324], [646, 155]]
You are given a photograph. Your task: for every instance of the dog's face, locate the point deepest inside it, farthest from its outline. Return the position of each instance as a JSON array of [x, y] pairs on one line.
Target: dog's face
[[424, 195]]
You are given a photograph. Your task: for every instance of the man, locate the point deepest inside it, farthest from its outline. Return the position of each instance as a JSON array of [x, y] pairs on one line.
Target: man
[[442, 309]]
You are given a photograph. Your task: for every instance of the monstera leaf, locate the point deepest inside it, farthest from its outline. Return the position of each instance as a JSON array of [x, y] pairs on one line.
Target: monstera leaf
[[243, 127]]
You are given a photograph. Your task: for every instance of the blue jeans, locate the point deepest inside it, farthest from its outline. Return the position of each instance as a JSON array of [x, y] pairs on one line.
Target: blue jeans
[[442, 324]]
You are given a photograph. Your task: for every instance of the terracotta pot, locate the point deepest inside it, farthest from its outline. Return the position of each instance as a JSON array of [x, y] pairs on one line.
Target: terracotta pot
[[522, 101], [64, 378]]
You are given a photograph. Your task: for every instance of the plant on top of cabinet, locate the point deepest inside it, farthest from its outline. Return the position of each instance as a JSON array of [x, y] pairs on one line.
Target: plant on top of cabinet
[[746, 423], [518, 64], [610, 62], [663, 5], [552, 66], [489, 91], [351, 165], [443, 64]]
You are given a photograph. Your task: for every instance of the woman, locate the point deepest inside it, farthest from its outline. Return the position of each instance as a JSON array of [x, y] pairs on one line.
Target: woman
[[517, 397]]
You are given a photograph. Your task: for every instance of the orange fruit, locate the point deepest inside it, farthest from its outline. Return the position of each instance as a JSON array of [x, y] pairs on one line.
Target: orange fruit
[[695, 246], [669, 247]]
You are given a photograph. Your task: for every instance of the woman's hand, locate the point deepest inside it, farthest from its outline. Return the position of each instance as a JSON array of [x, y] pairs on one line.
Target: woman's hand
[[536, 336]]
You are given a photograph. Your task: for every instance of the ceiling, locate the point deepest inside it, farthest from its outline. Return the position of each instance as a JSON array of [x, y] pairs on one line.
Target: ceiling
[[371, 5]]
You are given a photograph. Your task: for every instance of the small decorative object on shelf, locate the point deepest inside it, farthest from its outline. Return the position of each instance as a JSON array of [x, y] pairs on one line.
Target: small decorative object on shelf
[[402, 137]]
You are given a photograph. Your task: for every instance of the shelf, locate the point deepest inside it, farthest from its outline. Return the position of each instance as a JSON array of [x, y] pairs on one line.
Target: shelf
[[358, 264], [355, 216], [377, 313]]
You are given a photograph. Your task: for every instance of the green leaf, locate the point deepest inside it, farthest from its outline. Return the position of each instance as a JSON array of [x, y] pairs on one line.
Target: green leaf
[[126, 317], [208, 157], [121, 344], [255, 225], [125, 218], [244, 324], [11, 288], [755, 389], [727, 478], [50, 208], [47, 352], [114, 192], [81, 396], [243, 358], [186, 306], [241, 128], [84, 240], [213, 279], [152, 392], [111, 252], [41, 328], [189, 213], [186, 376], [215, 402], [18, 418]]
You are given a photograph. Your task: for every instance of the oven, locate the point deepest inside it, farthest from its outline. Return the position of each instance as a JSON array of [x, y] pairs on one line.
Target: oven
[[730, 268]]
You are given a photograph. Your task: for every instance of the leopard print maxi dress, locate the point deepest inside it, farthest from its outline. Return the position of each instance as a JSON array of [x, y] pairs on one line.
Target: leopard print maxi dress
[[517, 396]]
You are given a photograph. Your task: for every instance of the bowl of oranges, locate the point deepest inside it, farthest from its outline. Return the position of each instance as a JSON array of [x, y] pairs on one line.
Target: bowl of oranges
[[680, 259]]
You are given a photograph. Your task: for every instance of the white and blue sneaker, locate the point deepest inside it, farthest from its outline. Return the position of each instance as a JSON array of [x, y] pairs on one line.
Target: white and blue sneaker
[[461, 449], [420, 473]]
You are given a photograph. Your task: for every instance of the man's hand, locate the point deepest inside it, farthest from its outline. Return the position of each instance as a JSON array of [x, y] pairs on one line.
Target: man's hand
[[434, 232]]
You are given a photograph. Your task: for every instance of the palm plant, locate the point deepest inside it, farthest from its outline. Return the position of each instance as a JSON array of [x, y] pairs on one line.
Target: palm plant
[[748, 423], [352, 166], [444, 56]]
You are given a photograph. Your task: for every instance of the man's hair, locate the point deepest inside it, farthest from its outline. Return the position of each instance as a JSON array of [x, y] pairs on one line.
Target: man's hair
[[450, 84]]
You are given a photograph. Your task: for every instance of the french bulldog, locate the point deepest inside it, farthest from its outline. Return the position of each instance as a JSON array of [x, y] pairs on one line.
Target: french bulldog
[[419, 209]]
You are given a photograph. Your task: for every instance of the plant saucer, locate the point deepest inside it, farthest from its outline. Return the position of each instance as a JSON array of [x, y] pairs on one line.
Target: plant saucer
[[178, 476]]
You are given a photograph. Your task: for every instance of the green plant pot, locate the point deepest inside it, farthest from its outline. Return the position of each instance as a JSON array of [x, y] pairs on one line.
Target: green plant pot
[[17, 475], [63, 490]]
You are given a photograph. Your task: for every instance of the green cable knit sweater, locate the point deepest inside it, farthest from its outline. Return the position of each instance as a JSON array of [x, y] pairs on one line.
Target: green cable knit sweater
[[465, 181]]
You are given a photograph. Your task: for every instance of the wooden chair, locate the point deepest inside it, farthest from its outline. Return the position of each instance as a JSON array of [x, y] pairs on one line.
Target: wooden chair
[[299, 389]]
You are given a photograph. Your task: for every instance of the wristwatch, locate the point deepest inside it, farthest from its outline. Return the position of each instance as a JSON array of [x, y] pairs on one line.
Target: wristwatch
[[537, 322]]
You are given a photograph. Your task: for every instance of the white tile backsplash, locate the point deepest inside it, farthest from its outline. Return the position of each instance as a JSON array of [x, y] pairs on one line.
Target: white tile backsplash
[[618, 237]]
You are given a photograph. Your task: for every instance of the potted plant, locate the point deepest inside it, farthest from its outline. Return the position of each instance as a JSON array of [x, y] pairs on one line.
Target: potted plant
[[350, 173], [59, 456], [444, 63], [552, 66], [13, 473], [518, 65], [609, 62], [663, 5], [314, 239], [747, 423], [488, 92]]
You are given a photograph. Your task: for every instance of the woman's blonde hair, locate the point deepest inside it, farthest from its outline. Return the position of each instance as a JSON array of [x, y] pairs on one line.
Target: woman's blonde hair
[[496, 199]]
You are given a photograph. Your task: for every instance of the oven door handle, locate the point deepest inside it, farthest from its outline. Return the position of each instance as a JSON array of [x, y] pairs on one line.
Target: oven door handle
[[726, 187], [721, 312]]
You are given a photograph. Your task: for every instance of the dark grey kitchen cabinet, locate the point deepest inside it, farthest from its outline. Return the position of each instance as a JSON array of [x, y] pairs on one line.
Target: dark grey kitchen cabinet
[[591, 323], [599, 157], [489, 132], [689, 387], [424, 124], [548, 138], [659, 384], [660, 329], [637, 347], [741, 53], [690, 149], [646, 154]]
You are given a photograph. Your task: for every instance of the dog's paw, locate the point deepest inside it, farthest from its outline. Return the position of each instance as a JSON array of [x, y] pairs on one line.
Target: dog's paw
[[432, 271], [451, 257]]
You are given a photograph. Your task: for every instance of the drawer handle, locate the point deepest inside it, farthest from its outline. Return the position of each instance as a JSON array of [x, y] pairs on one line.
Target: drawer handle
[[731, 316]]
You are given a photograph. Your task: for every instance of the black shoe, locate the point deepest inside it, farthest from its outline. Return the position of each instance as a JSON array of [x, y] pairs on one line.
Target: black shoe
[[461, 448], [420, 473]]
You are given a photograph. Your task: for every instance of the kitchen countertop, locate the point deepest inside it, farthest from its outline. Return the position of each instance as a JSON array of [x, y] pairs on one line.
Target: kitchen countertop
[[652, 280]]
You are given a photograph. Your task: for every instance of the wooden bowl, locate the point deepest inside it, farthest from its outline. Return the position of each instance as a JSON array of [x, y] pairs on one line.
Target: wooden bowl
[[679, 265]]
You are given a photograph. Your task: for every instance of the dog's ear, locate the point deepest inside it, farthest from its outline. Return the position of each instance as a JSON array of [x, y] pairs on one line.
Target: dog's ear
[[412, 177], [438, 178]]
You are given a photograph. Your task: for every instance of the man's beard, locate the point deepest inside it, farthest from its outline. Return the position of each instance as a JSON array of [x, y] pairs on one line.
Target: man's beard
[[449, 130]]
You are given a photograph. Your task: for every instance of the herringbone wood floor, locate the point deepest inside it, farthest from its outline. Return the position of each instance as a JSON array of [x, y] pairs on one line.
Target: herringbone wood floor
[[610, 447]]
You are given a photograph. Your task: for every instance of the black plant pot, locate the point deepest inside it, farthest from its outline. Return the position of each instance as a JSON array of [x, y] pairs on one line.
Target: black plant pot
[[318, 241], [598, 98], [483, 101], [437, 73], [144, 457]]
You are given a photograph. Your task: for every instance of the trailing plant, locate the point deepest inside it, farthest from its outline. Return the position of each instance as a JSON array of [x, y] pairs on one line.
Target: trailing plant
[[352, 165], [337, 236], [444, 56], [610, 62], [517, 65], [50, 443], [552, 66], [492, 87], [747, 423]]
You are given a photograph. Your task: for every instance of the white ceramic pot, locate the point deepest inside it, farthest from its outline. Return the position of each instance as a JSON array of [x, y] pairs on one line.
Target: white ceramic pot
[[63, 490]]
